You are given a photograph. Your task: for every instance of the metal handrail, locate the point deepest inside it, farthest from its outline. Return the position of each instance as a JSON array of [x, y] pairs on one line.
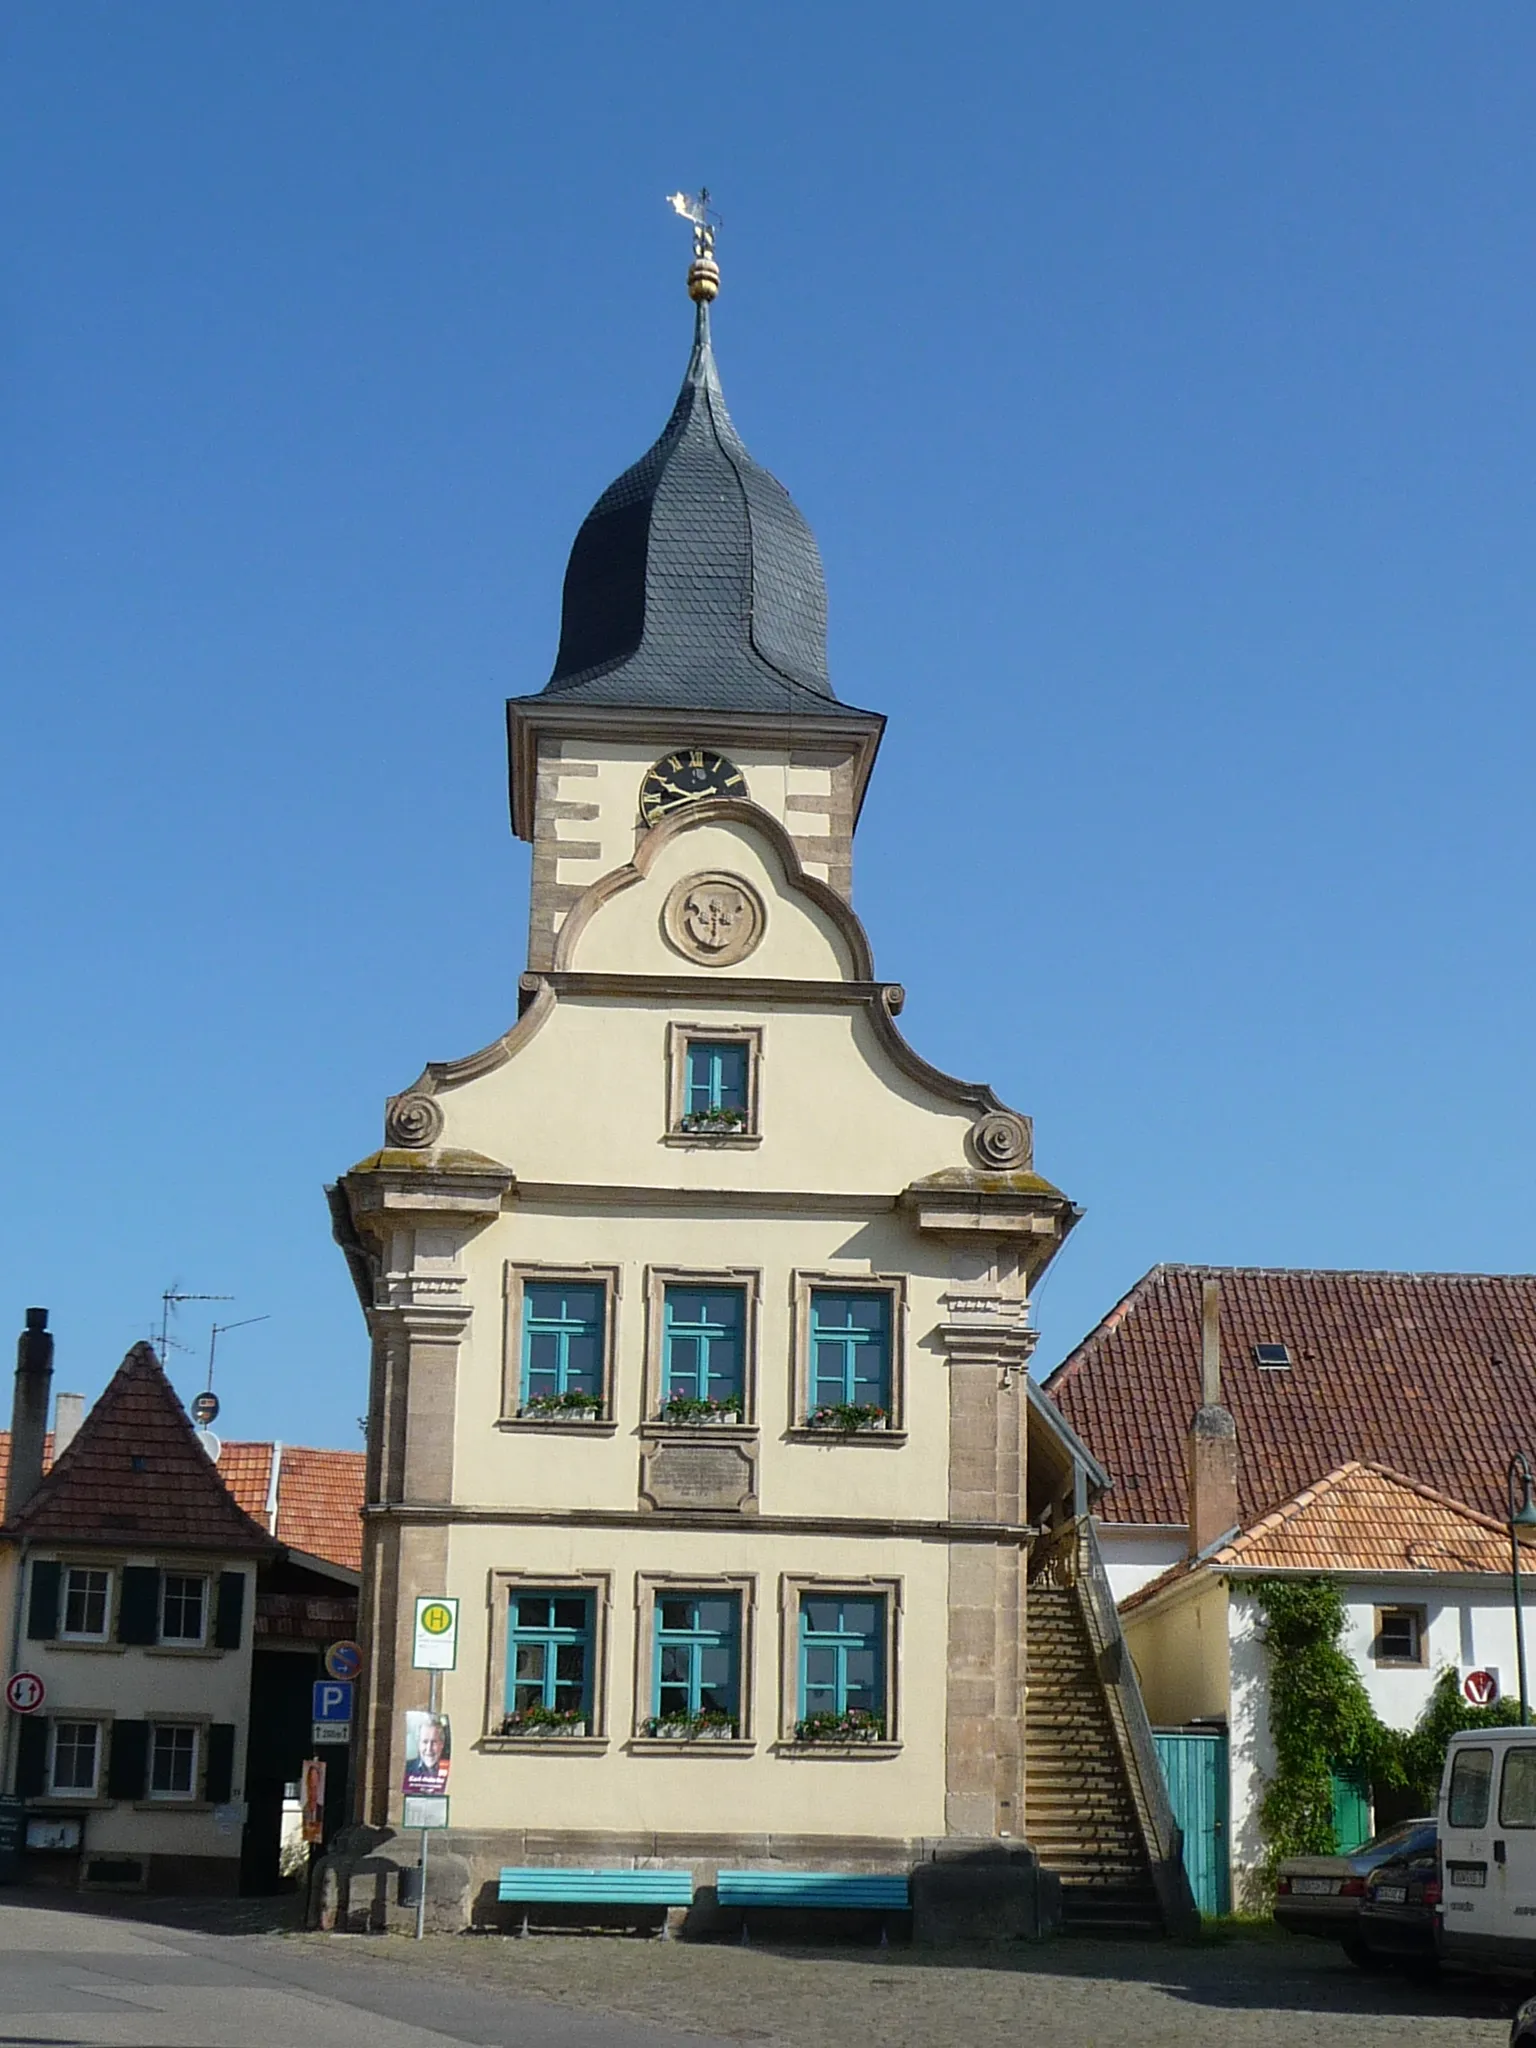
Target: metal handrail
[[1074, 1562]]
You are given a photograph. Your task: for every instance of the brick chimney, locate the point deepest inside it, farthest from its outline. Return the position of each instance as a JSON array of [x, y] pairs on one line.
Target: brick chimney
[[29, 1411], [1211, 1447]]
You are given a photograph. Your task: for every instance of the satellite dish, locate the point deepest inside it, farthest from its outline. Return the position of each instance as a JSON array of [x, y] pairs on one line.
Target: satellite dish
[[210, 1444], [205, 1409]]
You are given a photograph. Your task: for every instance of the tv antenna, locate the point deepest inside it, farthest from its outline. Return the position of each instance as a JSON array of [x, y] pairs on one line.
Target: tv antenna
[[218, 1331], [170, 1301]]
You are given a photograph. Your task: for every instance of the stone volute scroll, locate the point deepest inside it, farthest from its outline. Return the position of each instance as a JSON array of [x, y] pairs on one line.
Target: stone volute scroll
[[413, 1122], [713, 920], [1001, 1142]]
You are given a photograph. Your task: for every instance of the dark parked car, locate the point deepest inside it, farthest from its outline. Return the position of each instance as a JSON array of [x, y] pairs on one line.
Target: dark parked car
[[1397, 1915], [1323, 1894]]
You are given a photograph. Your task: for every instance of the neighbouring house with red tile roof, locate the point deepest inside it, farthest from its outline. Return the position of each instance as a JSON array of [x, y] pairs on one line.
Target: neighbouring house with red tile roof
[[176, 1611], [1258, 1423]]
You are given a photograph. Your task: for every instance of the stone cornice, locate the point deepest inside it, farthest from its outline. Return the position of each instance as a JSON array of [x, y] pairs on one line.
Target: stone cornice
[[873, 1527]]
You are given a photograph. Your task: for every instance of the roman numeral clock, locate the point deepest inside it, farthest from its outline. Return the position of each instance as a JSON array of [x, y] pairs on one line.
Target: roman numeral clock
[[687, 777]]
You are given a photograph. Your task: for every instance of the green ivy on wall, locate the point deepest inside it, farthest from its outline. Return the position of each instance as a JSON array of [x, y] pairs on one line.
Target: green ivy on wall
[[1321, 1719]]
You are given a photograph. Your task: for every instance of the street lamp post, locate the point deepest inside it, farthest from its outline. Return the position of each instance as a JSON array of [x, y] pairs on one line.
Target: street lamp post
[[1522, 1515]]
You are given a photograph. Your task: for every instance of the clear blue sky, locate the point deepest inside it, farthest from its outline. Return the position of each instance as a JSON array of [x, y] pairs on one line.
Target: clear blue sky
[[1159, 383]]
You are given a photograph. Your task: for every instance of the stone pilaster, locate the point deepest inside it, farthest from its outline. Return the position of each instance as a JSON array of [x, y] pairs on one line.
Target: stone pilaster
[[414, 1213], [988, 1343]]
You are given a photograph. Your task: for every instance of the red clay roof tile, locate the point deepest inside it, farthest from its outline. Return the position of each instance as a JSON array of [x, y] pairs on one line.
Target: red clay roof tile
[[1432, 1375]]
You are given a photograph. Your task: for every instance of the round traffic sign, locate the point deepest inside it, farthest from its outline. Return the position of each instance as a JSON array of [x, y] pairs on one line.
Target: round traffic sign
[[344, 1659], [24, 1693], [1480, 1688], [437, 1619]]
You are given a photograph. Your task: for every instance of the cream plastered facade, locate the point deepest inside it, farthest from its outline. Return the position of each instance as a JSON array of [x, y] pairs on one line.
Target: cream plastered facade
[[556, 1150], [191, 1842]]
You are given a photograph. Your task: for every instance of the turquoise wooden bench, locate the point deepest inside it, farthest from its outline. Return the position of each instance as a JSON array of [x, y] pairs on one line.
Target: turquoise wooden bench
[[547, 1885], [843, 1890]]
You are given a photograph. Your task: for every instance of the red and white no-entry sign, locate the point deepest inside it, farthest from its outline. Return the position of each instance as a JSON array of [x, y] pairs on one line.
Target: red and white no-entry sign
[[1480, 1687], [24, 1693]]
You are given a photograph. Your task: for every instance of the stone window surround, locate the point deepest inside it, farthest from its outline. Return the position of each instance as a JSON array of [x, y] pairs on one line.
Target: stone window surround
[[515, 1276], [502, 1585], [102, 1718], [93, 1641], [749, 1281], [182, 1643], [649, 1586], [793, 1586], [894, 1285], [678, 1038], [1383, 1658], [177, 1802]]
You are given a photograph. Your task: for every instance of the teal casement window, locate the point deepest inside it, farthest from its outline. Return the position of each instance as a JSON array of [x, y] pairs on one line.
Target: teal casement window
[[716, 1077], [850, 1350], [549, 1656], [703, 1345], [698, 1657], [562, 1342], [842, 1656]]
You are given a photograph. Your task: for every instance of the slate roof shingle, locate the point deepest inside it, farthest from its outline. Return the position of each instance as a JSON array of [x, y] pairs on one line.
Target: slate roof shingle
[[1361, 1518], [694, 583], [1432, 1375]]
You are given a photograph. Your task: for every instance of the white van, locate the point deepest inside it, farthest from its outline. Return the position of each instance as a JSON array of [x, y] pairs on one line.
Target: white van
[[1488, 1849]]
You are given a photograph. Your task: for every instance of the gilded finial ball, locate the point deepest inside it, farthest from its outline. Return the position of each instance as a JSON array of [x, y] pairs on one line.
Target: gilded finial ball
[[703, 280]]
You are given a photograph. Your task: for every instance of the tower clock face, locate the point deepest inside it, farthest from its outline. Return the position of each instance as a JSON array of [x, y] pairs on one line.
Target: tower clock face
[[686, 777]]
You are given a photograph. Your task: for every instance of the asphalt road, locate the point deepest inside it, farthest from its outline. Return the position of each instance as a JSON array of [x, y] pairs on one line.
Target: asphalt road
[[70, 1979]]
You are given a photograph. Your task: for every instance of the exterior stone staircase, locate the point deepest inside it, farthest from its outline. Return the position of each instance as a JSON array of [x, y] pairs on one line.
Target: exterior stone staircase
[[1081, 1816]]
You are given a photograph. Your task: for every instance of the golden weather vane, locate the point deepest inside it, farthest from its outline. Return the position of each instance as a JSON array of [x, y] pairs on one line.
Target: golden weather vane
[[704, 271]]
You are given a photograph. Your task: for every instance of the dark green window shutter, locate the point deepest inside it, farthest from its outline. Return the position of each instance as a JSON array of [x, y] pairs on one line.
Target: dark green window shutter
[[231, 1611], [31, 1754], [128, 1766], [138, 1610], [220, 1780], [43, 1605]]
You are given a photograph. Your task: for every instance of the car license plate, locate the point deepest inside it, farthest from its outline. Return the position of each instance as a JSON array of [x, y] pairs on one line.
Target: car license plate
[[1315, 1887], [1391, 1894], [1473, 1876]]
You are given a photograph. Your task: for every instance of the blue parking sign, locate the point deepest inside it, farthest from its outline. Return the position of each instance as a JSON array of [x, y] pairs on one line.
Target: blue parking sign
[[333, 1699]]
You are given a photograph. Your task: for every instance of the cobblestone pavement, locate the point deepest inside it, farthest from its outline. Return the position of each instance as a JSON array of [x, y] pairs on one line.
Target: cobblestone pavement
[[597, 1991], [1274, 1993]]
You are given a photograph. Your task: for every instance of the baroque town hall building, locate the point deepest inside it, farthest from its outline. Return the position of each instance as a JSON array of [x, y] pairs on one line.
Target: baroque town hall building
[[699, 1301]]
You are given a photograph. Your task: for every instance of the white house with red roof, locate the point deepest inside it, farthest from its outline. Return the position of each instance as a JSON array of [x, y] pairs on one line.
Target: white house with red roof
[[1267, 1424]]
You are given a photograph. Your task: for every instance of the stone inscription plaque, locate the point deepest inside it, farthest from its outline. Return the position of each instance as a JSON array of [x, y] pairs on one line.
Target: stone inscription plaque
[[700, 1475]]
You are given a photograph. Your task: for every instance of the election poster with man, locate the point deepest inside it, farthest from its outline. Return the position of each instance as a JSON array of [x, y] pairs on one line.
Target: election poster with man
[[428, 1747]]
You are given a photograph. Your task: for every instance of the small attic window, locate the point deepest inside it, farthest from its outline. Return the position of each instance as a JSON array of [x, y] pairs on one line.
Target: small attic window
[[138, 1462], [1272, 1357]]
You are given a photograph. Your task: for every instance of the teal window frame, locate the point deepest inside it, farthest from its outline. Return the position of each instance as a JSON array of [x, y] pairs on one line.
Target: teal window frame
[[689, 1645], [849, 1357], [717, 1074], [829, 1675], [552, 1326], [719, 1342], [554, 1632]]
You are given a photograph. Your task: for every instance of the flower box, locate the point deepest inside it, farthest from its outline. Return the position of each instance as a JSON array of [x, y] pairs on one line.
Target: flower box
[[562, 1408], [690, 1728], [854, 1726], [848, 1418], [687, 1411], [706, 1123], [542, 1722]]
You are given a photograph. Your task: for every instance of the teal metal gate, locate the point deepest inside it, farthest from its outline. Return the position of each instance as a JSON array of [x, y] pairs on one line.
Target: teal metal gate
[[1195, 1765]]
